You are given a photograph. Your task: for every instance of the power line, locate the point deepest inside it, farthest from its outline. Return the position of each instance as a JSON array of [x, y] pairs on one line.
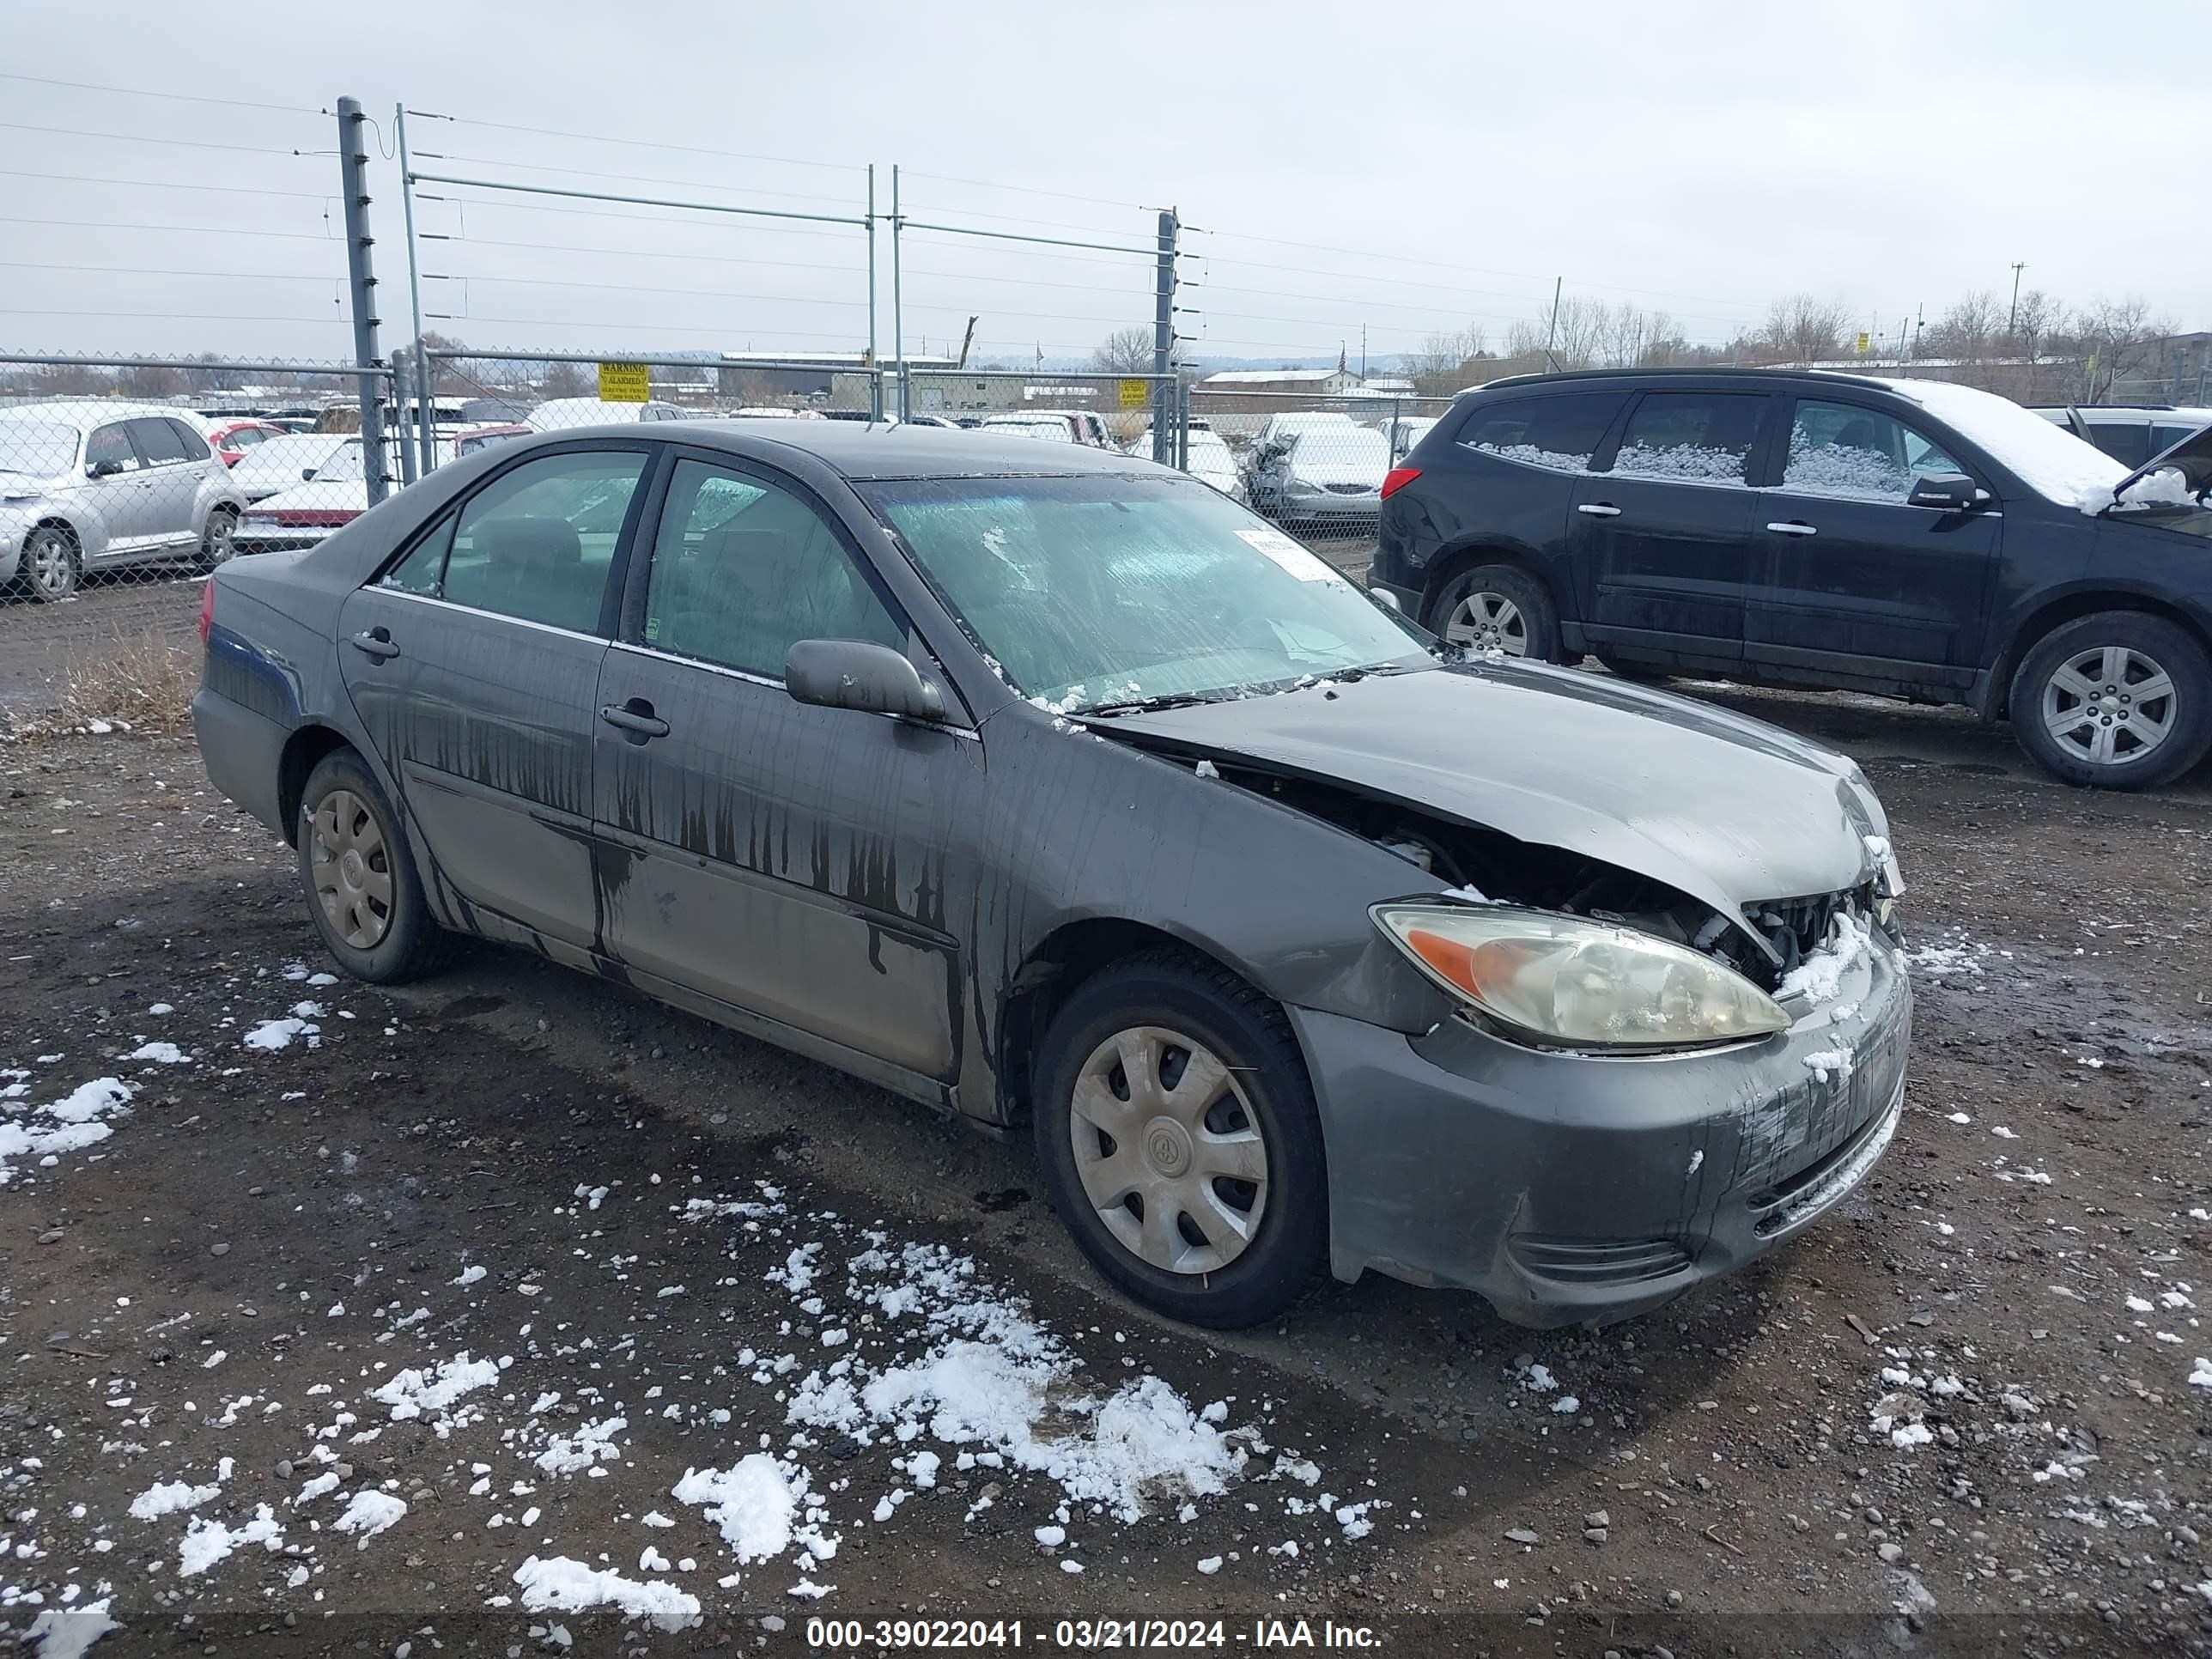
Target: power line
[[150, 270], [503, 205], [1027, 189], [164, 140], [641, 143], [629, 288], [166, 184], [209, 230], [626, 178], [142, 92]]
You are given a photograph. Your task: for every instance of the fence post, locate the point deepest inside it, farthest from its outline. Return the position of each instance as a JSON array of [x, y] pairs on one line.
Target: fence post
[[353, 163], [898, 317], [1164, 286], [1182, 424], [421, 436]]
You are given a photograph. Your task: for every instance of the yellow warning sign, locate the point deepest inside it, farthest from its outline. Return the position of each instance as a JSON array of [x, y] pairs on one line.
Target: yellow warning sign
[[1134, 394], [1864, 344], [625, 383]]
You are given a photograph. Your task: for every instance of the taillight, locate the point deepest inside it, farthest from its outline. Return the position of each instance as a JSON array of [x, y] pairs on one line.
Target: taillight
[[1397, 478], [207, 610]]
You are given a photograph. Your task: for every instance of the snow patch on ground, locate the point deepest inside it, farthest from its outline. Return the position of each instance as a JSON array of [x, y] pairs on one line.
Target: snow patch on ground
[[559, 1584], [271, 1035], [78, 1120], [369, 1513], [415, 1393]]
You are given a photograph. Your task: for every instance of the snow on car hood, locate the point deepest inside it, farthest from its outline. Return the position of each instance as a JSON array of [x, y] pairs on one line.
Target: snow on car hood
[[1354, 455], [2048, 458], [1727, 809]]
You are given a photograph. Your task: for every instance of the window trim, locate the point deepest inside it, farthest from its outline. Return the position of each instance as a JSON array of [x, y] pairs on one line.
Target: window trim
[[618, 565], [630, 631], [130, 442]]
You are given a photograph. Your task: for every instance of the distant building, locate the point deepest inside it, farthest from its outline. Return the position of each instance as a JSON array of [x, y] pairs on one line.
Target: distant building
[[1293, 382]]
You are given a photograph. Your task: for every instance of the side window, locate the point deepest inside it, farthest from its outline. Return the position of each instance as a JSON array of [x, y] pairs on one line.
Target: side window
[[1562, 432], [1861, 454], [111, 443], [245, 437], [196, 444], [423, 570], [741, 571], [1702, 437], [159, 443], [2126, 441], [2163, 438], [536, 543]]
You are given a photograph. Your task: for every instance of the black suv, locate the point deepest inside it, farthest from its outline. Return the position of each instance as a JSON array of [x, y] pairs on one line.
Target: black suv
[[1910, 537]]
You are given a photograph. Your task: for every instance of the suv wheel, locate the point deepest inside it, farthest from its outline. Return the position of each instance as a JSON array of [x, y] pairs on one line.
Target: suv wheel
[[1177, 1137], [52, 563], [362, 891], [1495, 607], [2116, 700]]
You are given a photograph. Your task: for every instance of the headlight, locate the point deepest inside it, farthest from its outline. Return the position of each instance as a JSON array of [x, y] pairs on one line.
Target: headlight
[[1579, 984]]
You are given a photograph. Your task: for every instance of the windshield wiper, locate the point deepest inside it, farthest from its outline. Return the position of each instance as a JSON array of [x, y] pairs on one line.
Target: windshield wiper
[[1147, 705]]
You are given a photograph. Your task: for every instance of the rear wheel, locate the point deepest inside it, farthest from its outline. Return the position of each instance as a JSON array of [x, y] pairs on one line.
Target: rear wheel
[[52, 564], [362, 889], [1496, 607], [2116, 700], [1176, 1135], [219, 542]]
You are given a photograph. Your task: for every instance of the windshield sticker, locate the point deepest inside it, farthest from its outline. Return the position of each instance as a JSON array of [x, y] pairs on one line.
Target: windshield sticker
[[1305, 566]]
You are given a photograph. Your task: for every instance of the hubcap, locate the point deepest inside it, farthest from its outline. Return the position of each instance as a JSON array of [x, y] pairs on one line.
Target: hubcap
[[352, 869], [1168, 1150], [219, 538], [51, 571], [2109, 705], [1489, 622]]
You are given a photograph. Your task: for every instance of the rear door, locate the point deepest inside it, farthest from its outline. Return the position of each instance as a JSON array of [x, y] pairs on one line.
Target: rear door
[[1863, 585], [1661, 538], [169, 480], [473, 663], [785, 861]]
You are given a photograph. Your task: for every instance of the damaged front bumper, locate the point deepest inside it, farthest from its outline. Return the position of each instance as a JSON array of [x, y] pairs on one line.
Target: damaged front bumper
[[1569, 1189]]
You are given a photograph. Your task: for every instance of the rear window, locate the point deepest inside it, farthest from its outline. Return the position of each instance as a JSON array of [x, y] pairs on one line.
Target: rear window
[[1562, 431]]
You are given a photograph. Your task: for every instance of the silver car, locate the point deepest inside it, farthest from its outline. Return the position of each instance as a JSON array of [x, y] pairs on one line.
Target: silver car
[[93, 485]]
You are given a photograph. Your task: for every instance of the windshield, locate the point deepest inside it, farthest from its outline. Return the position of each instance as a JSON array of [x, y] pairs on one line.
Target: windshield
[[1055, 431], [1096, 591], [283, 454], [36, 448]]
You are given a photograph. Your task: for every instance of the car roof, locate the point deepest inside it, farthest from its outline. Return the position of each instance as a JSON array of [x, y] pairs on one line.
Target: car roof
[[1751, 376], [867, 451], [93, 410]]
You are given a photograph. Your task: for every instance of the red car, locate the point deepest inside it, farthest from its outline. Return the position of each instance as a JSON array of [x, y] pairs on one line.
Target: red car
[[232, 439]]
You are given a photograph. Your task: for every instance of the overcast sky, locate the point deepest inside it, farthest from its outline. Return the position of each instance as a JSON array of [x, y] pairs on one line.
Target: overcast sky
[[1405, 169]]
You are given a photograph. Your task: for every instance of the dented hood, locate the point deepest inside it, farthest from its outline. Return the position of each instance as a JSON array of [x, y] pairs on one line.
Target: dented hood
[[1726, 809]]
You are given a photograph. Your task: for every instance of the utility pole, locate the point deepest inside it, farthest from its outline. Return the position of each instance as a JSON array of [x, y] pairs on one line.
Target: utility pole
[[2012, 323], [424, 458], [1163, 289], [1363, 351], [353, 165], [1551, 333]]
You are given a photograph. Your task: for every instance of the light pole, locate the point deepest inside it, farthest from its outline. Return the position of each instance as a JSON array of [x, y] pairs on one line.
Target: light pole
[[2012, 323]]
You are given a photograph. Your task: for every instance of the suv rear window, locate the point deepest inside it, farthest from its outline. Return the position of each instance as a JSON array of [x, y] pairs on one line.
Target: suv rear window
[[1563, 431]]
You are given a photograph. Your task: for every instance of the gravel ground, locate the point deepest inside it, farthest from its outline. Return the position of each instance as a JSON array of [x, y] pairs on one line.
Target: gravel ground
[[37, 642], [1956, 1416]]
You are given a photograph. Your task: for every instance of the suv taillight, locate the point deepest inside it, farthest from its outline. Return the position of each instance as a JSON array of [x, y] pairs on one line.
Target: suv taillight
[[1397, 478], [207, 610]]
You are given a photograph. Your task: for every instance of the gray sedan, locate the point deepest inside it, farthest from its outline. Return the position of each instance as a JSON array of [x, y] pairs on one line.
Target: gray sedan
[[1051, 788]]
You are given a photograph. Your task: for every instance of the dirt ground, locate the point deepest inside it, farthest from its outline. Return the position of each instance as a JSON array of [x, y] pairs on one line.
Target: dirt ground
[[1957, 1416]]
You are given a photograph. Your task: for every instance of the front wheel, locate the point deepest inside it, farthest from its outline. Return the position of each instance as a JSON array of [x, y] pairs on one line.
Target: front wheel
[[52, 563], [362, 889], [1177, 1138], [1496, 607], [2116, 700]]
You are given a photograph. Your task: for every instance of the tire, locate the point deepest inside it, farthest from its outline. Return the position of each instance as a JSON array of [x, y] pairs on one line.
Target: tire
[[2069, 723], [1256, 1115], [219, 541], [52, 564], [1495, 606], [369, 910]]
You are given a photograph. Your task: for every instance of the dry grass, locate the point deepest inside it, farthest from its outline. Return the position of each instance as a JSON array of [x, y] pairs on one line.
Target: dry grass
[[138, 682]]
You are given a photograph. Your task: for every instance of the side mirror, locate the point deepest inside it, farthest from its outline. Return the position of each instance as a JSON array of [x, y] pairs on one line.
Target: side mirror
[[103, 469], [1946, 492], [1387, 599], [853, 674], [306, 475]]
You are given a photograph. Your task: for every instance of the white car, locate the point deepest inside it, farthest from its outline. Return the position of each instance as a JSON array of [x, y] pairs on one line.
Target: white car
[[1315, 468], [2130, 433], [313, 509], [87, 484], [1213, 462], [283, 463], [561, 413], [1065, 426]]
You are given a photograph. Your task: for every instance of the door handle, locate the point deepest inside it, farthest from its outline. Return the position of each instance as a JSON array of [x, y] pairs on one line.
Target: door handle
[[635, 717], [1598, 509], [377, 643], [1794, 528]]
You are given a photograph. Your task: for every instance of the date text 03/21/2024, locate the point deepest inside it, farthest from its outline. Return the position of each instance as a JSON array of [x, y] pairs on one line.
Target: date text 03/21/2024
[[1082, 1635]]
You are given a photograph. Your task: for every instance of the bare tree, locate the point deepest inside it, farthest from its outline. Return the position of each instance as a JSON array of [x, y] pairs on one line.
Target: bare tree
[[1124, 351], [2119, 341], [1968, 330], [565, 381], [1803, 329], [1440, 362]]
